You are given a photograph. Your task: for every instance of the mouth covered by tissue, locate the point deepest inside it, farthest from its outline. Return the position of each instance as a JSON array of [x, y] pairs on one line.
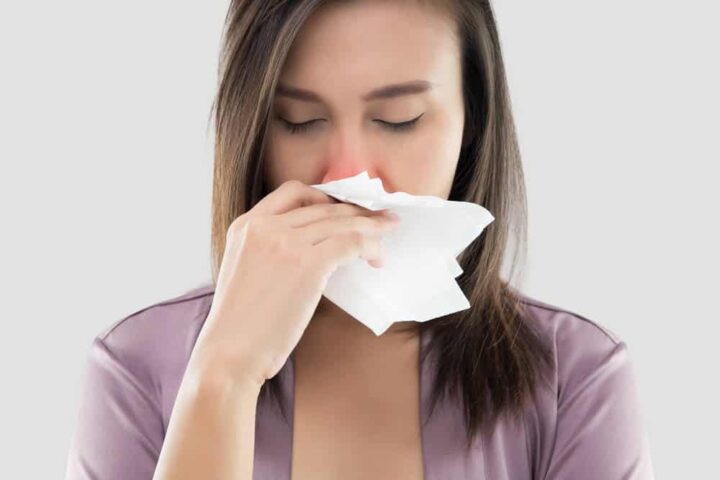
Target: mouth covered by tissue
[[417, 279]]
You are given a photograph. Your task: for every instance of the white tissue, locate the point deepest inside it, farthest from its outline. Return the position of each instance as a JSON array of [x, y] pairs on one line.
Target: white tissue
[[417, 279]]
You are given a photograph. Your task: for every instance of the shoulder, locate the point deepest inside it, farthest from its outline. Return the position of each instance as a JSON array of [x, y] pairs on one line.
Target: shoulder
[[592, 413], [133, 370], [589, 358], [162, 313], [556, 320], [569, 332], [154, 342], [581, 346], [591, 403]]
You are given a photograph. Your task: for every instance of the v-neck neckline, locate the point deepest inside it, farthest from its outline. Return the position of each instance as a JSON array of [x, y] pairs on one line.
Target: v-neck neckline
[[438, 434]]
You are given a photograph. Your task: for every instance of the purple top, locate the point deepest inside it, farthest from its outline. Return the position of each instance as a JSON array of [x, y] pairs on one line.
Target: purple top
[[589, 425]]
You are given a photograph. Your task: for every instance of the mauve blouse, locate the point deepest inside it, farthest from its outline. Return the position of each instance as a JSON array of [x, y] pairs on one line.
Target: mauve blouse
[[588, 426]]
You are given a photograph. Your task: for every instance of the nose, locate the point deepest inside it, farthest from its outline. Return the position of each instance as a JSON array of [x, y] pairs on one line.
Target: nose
[[347, 164], [337, 170]]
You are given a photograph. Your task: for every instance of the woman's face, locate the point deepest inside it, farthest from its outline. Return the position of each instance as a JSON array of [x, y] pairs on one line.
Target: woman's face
[[335, 78]]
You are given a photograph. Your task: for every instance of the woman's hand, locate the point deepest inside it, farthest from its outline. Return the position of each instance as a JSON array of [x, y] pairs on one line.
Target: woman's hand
[[277, 261]]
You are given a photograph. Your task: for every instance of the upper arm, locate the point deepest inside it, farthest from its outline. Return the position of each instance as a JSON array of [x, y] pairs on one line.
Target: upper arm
[[600, 430], [119, 430]]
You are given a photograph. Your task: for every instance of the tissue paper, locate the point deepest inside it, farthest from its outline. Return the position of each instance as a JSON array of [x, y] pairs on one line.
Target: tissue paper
[[417, 280]]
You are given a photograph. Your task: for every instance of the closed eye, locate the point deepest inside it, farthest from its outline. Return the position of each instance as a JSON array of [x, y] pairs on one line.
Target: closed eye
[[296, 127], [402, 125], [396, 127]]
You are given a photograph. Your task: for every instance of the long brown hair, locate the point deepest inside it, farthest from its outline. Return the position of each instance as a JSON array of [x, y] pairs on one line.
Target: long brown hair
[[489, 355]]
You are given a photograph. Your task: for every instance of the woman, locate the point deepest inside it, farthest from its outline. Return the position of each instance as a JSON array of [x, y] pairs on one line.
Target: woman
[[259, 376]]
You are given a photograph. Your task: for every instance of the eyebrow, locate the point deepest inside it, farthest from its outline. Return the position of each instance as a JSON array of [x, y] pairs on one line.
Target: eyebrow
[[388, 91]]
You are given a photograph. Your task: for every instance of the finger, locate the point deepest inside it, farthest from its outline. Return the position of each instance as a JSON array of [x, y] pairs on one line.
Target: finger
[[289, 196], [303, 216], [342, 249], [317, 232]]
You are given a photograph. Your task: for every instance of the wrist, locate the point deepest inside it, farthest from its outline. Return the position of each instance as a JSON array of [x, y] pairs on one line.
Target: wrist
[[213, 376]]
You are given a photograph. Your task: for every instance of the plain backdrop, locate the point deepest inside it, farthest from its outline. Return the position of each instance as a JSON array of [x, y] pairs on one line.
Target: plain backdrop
[[105, 181]]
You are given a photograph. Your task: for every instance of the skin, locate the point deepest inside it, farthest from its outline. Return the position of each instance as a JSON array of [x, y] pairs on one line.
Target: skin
[[344, 51]]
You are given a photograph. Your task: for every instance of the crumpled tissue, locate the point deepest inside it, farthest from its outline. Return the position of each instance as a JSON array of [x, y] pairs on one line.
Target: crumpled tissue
[[417, 279]]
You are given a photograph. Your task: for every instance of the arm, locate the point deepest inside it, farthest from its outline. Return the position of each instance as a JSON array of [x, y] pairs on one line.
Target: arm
[[212, 428], [600, 430]]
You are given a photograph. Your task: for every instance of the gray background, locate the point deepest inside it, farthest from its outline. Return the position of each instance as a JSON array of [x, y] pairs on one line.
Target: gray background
[[106, 170]]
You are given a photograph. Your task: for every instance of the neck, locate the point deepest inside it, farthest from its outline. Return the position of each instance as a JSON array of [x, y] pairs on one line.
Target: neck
[[333, 329]]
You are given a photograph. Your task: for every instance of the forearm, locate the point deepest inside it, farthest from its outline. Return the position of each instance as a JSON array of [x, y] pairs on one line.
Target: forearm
[[212, 429]]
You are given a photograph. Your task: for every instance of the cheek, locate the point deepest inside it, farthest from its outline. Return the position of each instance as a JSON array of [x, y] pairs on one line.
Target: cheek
[[426, 164], [283, 160]]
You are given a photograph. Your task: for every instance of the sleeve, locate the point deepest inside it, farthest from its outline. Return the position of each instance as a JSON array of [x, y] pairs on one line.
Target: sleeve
[[119, 430], [600, 428]]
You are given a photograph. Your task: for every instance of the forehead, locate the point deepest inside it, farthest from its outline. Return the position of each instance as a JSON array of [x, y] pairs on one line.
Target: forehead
[[346, 46]]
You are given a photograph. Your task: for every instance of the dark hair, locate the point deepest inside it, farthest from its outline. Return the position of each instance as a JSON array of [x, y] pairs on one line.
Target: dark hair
[[489, 355]]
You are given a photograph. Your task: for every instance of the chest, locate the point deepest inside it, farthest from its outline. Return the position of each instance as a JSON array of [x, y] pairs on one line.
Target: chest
[[357, 421]]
